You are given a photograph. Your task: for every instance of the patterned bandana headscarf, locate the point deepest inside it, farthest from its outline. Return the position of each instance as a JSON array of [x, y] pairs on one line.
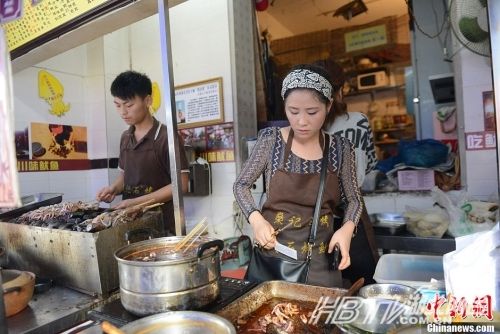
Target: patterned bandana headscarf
[[303, 78]]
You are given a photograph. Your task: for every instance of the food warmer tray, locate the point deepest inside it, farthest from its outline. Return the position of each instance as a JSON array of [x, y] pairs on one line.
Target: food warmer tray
[[29, 203], [298, 293]]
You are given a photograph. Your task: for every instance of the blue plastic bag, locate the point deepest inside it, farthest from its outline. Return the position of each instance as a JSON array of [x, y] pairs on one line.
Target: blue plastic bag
[[423, 153]]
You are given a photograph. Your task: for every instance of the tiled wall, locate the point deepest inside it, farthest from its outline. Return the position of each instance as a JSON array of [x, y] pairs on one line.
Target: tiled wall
[[473, 77], [80, 72]]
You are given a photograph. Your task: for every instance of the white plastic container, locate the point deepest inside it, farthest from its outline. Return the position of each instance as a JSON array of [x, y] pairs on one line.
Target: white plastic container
[[409, 269]]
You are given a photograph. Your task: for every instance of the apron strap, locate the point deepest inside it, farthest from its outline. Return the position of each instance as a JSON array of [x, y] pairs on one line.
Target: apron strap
[[319, 198]]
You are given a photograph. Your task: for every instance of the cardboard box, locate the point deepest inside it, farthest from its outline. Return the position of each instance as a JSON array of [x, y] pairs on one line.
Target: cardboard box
[[421, 179]]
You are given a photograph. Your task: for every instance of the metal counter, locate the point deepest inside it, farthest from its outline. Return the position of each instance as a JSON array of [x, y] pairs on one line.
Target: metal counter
[[53, 311], [62, 308], [409, 243]]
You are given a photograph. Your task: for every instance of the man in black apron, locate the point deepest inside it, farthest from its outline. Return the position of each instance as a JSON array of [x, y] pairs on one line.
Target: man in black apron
[[144, 161]]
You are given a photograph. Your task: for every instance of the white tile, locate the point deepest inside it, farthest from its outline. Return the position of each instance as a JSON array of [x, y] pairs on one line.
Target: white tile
[[72, 61], [486, 190], [73, 184], [380, 203], [418, 201], [197, 207], [94, 89], [476, 70], [32, 183], [95, 57], [97, 179], [223, 177], [96, 117], [97, 145], [116, 60], [113, 139]]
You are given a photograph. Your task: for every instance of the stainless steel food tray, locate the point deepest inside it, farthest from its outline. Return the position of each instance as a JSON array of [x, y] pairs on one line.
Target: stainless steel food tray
[[258, 296]]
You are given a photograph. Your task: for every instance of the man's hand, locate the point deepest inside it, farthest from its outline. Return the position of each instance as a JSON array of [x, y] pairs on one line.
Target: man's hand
[[106, 194]]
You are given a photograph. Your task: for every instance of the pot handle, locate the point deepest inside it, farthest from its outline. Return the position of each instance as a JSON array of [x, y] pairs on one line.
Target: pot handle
[[150, 232], [214, 243]]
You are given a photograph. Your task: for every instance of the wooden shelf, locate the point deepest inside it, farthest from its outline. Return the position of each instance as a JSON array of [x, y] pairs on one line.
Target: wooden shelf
[[373, 90], [394, 129], [387, 142]]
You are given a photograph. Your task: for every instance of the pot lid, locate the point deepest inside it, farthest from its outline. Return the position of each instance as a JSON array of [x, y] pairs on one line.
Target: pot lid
[[186, 322]]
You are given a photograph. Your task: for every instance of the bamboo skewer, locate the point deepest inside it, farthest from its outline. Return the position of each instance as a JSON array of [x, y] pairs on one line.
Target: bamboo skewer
[[151, 206], [197, 229], [137, 207]]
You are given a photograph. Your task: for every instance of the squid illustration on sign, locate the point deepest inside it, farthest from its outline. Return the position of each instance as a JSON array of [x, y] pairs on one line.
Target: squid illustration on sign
[[156, 97], [52, 91]]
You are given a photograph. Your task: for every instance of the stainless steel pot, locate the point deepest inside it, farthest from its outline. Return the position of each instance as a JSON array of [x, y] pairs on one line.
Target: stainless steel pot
[[186, 322], [187, 279]]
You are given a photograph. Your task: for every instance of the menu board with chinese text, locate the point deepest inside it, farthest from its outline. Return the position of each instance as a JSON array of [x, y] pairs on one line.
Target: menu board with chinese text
[[43, 17]]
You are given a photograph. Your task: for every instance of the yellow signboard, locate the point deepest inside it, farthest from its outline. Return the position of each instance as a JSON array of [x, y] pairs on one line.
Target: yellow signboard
[[365, 38], [43, 17]]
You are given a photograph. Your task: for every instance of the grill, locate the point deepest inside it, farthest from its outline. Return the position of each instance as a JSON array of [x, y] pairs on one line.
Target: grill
[[78, 260]]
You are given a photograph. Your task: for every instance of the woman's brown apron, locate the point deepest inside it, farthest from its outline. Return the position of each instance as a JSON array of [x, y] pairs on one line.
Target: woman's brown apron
[[291, 199]]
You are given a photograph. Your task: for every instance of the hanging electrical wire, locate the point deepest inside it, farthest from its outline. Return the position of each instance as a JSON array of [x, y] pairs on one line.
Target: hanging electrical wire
[[445, 16]]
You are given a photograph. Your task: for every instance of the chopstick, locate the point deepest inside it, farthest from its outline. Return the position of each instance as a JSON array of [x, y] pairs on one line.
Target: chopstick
[[200, 226], [205, 226]]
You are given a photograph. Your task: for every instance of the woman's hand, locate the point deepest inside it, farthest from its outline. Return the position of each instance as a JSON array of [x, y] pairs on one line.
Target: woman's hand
[[343, 237], [263, 231]]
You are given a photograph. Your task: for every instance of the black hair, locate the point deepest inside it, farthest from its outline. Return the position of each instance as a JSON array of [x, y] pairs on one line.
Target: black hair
[[130, 84], [338, 79], [313, 68]]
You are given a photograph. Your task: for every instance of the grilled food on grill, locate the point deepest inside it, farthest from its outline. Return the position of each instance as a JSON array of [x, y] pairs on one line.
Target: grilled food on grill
[[76, 216]]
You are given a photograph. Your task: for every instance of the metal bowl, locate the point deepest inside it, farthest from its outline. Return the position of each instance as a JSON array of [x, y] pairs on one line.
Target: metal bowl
[[398, 292], [185, 322], [393, 223], [377, 316]]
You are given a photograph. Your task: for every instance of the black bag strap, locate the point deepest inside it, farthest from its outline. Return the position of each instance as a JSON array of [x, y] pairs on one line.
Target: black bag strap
[[319, 198]]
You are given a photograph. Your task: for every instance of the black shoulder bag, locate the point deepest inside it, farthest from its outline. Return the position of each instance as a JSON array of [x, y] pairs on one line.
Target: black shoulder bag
[[264, 267]]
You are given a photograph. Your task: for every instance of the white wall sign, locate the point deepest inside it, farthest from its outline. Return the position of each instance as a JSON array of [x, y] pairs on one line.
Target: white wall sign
[[199, 104]]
